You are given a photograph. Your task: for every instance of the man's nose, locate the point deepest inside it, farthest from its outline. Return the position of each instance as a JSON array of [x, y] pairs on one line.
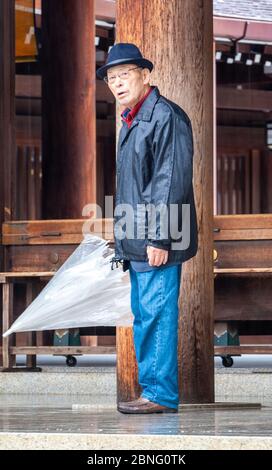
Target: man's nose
[[117, 81]]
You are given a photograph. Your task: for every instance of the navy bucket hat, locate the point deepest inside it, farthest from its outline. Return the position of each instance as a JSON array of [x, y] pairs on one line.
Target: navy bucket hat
[[124, 53]]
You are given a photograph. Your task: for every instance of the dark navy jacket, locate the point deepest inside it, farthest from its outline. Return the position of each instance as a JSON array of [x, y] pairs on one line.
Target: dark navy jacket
[[155, 166]]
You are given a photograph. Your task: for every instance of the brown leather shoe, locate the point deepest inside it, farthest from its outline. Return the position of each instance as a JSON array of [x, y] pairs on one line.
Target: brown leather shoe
[[143, 405]]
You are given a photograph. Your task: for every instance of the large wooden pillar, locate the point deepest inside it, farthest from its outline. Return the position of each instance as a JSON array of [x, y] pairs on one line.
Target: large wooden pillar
[[68, 107], [7, 108], [7, 123], [177, 36]]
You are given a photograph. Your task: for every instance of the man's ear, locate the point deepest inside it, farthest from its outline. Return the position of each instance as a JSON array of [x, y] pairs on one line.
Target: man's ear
[[146, 76]]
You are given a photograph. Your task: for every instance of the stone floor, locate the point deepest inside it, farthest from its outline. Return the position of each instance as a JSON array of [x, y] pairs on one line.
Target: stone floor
[[92, 422], [79, 412], [21, 413]]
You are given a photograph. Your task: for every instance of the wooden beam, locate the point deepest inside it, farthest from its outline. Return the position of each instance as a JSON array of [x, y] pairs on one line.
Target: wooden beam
[[28, 86], [105, 10], [31, 86], [240, 138], [242, 222], [28, 130], [244, 349], [245, 234], [249, 100], [55, 232], [235, 28], [62, 350], [241, 270], [183, 56]]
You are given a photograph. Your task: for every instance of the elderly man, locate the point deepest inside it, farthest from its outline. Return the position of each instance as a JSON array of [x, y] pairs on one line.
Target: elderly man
[[154, 170]]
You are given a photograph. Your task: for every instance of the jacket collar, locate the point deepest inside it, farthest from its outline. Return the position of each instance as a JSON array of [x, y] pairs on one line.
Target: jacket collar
[[146, 110], [144, 114]]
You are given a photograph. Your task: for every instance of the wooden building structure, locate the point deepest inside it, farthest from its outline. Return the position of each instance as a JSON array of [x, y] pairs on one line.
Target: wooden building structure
[[58, 131]]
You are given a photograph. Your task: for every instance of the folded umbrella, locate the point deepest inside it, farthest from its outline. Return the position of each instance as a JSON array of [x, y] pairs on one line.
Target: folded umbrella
[[85, 291]]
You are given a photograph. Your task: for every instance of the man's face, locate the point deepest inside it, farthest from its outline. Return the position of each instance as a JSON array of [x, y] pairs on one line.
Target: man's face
[[128, 90]]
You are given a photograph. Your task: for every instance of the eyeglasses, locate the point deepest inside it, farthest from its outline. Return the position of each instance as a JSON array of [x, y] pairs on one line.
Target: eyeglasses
[[123, 75]]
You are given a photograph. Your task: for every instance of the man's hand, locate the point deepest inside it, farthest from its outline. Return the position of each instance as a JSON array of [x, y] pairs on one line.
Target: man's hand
[[156, 256]]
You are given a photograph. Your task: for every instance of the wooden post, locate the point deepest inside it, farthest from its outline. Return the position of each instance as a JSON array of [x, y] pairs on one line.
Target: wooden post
[[7, 108], [7, 302], [31, 361], [128, 387], [215, 210], [177, 37], [68, 106], [7, 118]]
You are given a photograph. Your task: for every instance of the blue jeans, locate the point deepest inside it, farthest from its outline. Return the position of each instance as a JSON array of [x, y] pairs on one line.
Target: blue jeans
[[154, 304]]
